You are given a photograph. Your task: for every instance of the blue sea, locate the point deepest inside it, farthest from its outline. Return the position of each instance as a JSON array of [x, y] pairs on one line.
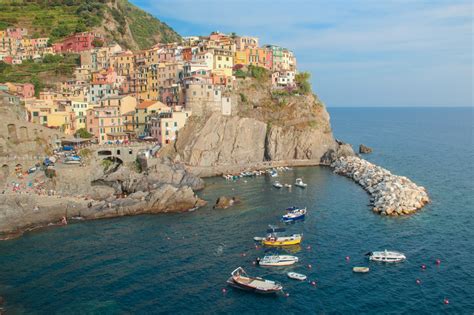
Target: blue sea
[[179, 263]]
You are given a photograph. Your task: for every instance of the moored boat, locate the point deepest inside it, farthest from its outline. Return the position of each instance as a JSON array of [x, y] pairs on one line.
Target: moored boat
[[288, 185], [277, 260], [293, 215], [277, 184], [299, 182], [386, 256], [296, 276], [274, 240], [239, 279], [360, 269]]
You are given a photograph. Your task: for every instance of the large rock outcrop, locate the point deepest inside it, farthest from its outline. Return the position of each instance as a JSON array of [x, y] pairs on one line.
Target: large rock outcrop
[[219, 140], [164, 187], [291, 143], [293, 130]]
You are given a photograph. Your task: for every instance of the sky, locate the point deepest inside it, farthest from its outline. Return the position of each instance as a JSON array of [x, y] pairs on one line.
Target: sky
[[359, 53]]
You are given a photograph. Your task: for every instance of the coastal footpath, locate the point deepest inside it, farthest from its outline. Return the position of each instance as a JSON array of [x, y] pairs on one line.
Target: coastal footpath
[[392, 195]]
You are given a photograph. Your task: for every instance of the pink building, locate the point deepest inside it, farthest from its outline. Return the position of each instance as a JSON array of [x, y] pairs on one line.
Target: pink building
[[268, 59], [17, 33], [104, 76], [26, 90], [75, 43]]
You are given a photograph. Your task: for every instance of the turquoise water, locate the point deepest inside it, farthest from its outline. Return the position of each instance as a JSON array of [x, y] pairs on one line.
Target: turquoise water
[[178, 263]]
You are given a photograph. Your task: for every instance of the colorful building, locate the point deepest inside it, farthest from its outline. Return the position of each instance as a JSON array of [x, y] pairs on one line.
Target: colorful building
[[106, 124], [142, 112], [75, 43], [165, 126]]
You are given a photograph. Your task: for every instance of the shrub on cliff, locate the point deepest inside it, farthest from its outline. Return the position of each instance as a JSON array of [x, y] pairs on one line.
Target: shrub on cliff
[[302, 82]]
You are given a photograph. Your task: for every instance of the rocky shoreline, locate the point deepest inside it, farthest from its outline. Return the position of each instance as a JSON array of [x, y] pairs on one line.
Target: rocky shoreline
[[392, 195]]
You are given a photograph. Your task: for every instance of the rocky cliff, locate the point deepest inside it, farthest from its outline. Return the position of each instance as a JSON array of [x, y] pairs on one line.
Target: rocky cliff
[[264, 128], [91, 192]]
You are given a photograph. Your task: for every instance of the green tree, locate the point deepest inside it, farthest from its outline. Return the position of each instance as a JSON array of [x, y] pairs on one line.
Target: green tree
[[302, 82], [83, 133]]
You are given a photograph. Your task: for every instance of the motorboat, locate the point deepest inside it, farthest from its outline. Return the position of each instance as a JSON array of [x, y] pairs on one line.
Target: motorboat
[[277, 260], [277, 184], [386, 256], [361, 269], [274, 240], [273, 173], [299, 182], [239, 279], [293, 215], [296, 276]]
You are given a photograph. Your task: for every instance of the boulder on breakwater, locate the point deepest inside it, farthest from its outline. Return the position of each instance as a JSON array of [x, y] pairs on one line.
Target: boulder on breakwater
[[391, 194]]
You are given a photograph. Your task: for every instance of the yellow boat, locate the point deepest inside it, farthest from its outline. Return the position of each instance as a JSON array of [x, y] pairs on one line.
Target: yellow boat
[[273, 240]]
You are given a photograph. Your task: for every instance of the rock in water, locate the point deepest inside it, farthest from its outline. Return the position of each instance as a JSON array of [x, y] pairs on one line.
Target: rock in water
[[225, 202], [364, 149]]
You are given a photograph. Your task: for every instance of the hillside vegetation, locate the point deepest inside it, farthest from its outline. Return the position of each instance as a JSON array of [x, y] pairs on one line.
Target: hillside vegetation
[[117, 20], [41, 74]]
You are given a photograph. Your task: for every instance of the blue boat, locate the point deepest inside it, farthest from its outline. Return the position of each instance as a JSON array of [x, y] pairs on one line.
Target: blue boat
[[294, 215]]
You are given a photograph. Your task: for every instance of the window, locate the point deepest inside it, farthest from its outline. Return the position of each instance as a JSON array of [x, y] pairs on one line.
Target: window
[[176, 124]]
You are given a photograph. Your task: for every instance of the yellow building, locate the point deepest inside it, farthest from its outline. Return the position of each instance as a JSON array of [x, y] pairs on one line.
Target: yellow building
[[240, 58], [223, 62], [60, 120], [142, 112], [79, 109], [125, 103]]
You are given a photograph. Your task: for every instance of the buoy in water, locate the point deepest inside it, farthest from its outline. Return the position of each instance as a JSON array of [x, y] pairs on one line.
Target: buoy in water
[[313, 283], [309, 266], [308, 247], [244, 254], [224, 290], [438, 261], [348, 258], [418, 281], [423, 266], [446, 301], [287, 294]]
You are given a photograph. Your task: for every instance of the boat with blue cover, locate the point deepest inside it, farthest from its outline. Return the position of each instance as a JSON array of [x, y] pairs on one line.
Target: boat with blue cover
[[294, 214]]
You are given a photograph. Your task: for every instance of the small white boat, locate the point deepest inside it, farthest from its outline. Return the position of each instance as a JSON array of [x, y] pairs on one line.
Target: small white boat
[[277, 260], [277, 184], [296, 276], [361, 269], [299, 183], [288, 185], [387, 256]]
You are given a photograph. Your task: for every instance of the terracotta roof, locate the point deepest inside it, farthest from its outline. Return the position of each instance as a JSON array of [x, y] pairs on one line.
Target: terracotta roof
[[146, 104]]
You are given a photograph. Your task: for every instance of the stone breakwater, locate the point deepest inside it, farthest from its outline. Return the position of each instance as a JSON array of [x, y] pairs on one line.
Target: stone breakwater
[[391, 194]]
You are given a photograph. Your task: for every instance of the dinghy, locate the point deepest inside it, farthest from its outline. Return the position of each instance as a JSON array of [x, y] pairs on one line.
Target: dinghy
[[361, 269], [239, 279], [296, 276]]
